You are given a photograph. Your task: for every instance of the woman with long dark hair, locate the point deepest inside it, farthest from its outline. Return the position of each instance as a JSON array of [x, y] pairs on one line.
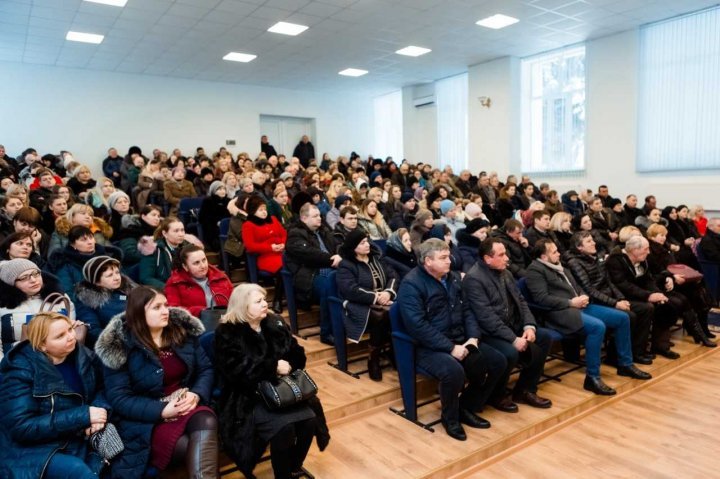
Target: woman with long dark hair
[[157, 375]]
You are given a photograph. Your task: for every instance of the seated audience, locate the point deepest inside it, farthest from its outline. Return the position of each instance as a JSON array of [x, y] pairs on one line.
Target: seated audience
[[256, 346], [20, 245], [420, 229], [697, 215], [570, 312], [582, 222], [135, 237], [212, 210], [399, 254], [653, 217], [79, 215], [98, 197], [68, 263], [279, 206], [687, 223], [406, 216], [372, 222], [194, 284], [156, 377], [56, 207], [516, 246], [540, 229], [447, 335], [507, 325], [506, 203], [81, 182], [9, 206], [101, 295], [468, 242], [52, 400], [155, 268], [368, 289], [710, 243], [311, 257], [572, 203], [177, 188], [348, 222]]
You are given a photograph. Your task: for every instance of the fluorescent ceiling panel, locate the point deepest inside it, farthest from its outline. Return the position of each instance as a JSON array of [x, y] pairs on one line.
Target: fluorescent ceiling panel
[[84, 37], [413, 51], [353, 72], [287, 28], [497, 21], [114, 3], [239, 57]]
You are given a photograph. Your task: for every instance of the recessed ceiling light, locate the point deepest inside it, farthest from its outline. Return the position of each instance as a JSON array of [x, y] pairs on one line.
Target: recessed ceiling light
[[84, 37], [353, 72], [114, 3], [412, 51], [287, 28], [239, 57], [497, 21]]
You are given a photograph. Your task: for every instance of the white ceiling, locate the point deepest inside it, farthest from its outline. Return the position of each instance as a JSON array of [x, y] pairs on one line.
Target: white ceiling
[[188, 38]]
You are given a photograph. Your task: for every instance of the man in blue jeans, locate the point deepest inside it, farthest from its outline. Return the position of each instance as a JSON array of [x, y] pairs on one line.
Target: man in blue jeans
[[570, 311]]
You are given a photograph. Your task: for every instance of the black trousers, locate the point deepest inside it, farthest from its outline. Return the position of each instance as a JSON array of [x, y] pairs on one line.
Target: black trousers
[[289, 447]]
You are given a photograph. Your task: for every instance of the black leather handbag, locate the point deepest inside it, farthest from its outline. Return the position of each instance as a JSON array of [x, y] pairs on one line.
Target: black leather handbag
[[288, 390], [210, 317]]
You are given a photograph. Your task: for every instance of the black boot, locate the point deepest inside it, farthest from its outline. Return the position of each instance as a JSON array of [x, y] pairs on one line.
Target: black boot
[[202, 455], [692, 326], [278, 296], [374, 369]]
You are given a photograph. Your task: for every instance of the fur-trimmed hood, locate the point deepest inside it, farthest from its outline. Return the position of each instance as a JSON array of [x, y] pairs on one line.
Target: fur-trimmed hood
[[63, 225], [114, 342], [96, 297]]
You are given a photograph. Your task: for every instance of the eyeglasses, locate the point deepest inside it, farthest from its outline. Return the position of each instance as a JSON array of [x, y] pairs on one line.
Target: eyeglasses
[[28, 277]]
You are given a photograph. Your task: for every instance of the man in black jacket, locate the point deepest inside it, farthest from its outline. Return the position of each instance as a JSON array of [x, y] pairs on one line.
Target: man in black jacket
[[516, 246], [710, 243], [406, 216], [589, 270], [266, 147], [304, 151], [311, 256], [630, 210], [540, 228], [507, 325], [447, 334]]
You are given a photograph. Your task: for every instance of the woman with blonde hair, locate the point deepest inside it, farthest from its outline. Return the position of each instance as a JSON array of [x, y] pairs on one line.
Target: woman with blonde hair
[[254, 345], [372, 221], [561, 225], [81, 181], [45, 434], [79, 214], [98, 197]]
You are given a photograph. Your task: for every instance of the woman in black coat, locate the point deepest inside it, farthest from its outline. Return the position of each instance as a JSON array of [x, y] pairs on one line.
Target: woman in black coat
[[469, 239], [252, 346], [368, 289], [51, 398], [156, 376], [213, 210], [399, 254]]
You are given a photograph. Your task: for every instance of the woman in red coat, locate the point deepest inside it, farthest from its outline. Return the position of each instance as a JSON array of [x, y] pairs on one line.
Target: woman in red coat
[[264, 236], [196, 285]]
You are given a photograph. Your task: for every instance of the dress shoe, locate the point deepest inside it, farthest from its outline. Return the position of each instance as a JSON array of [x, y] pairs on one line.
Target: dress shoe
[[473, 420], [667, 353], [532, 399], [633, 372], [643, 359], [505, 405], [597, 386], [455, 430], [329, 340]]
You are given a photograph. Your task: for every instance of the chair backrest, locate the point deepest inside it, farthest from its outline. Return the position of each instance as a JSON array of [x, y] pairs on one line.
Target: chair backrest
[[381, 244], [224, 228], [522, 286], [186, 206], [396, 323], [207, 341]]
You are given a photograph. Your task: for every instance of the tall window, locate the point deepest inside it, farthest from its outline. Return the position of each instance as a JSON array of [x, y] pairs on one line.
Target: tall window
[[451, 97], [389, 126], [553, 112], [679, 104]]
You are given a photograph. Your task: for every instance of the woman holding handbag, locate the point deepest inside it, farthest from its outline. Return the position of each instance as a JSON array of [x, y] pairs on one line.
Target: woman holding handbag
[[157, 375], [368, 289], [196, 285], [51, 398], [23, 291], [254, 346]]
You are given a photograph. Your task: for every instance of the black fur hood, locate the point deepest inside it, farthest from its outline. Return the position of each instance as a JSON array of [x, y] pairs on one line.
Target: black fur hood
[[96, 297], [113, 343]]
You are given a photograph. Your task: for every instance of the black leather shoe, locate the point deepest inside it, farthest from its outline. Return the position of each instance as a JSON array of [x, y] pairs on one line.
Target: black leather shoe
[[329, 340], [532, 399], [633, 372], [597, 386], [455, 430], [667, 353], [642, 359], [473, 420], [505, 405]]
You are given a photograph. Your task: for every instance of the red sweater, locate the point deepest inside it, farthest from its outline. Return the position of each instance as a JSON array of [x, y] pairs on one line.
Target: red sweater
[[182, 290], [258, 239]]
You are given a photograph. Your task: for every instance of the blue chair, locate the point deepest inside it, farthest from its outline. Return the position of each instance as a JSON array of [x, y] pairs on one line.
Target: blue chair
[[711, 272], [407, 369], [381, 245], [188, 213], [224, 229], [254, 274], [290, 295]]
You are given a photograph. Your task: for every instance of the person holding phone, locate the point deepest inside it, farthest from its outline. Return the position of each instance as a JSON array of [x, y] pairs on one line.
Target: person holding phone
[[157, 378]]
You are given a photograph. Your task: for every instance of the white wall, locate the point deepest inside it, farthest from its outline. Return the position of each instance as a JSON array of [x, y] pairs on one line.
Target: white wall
[[419, 127], [612, 118], [86, 112]]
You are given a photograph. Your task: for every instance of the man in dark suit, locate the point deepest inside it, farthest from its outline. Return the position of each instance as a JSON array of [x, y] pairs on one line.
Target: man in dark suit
[[304, 151], [507, 325], [570, 311], [710, 243], [266, 147]]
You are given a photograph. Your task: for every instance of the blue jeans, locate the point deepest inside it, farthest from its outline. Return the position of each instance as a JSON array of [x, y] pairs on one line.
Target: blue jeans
[[66, 466], [595, 320], [321, 286]]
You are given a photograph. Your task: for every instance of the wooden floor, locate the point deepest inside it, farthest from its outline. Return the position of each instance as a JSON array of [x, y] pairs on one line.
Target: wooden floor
[[673, 410]]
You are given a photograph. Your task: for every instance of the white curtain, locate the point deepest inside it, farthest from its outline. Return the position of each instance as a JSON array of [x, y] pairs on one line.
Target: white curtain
[[679, 104], [389, 126], [451, 97]]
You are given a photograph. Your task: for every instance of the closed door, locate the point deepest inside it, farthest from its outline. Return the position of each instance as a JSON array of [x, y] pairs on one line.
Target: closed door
[[285, 132]]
